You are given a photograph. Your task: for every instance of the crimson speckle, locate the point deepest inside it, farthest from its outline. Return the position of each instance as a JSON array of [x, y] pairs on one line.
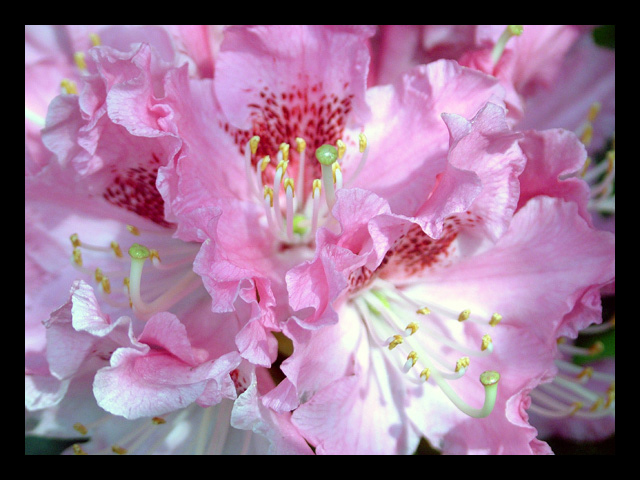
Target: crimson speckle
[[134, 189]]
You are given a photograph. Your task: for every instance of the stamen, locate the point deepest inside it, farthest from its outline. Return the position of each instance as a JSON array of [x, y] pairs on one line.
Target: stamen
[[340, 145], [498, 49], [133, 230], [277, 182], [80, 428], [301, 145], [315, 194], [496, 318], [289, 192], [464, 315], [364, 150], [412, 358], [77, 449], [181, 288], [462, 363], [77, 257], [411, 329], [95, 39], [327, 155], [423, 311], [261, 166], [250, 150], [284, 148], [394, 341], [337, 175], [69, 87], [487, 343], [78, 57], [119, 450], [268, 208]]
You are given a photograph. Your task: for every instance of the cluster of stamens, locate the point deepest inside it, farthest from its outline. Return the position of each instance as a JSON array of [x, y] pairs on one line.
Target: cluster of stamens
[[580, 391], [132, 283], [393, 322], [599, 175], [293, 215]]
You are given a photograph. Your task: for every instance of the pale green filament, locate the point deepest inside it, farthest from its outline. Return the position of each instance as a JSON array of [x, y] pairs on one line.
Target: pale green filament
[[498, 49]]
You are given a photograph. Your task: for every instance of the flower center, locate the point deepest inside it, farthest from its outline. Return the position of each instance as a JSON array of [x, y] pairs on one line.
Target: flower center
[[427, 343], [293, 214]]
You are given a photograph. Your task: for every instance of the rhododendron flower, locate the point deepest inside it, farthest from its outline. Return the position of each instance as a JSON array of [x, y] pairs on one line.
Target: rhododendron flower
[[421, 254], [96, 203]]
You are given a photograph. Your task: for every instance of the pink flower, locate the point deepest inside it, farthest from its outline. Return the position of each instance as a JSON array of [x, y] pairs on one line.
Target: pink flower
[[386, 231], [455, 251], [115, 345]]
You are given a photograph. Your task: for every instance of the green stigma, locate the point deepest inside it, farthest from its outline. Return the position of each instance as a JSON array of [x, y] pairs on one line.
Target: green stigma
[[139, 252], [489, 378], [327, 154]]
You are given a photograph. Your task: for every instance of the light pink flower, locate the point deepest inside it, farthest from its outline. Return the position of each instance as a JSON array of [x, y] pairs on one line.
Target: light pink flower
[[95, 202], [461, 255]]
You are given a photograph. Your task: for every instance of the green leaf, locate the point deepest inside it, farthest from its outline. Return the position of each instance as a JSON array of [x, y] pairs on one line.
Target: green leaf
[[605, 36]]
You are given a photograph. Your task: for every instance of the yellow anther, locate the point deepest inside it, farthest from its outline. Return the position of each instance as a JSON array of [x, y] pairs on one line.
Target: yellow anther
[[425, 374], [95, 39], [268, 191], [576, 407], [561, 340], [586, 372], [77, 257], [119, 450], [586, 166], [106, 284], [98, 275], [335, 166], [80, 428], [464, 315], [116, 249], [462, 363], [317, 186], [288, 182], [158, 421], [341, 148], [265, 162], [413, 356], [594, 110], [596, 348], [413, 327], [496, 318], [611, 160], [486, 342], [126, 282], [611, 396], [423, 311], [282, 165], [69, 86], [596, 405], [78, 57], [77, 450], [154, 254], [253, 144], [397, 340], [133, 230], [587, 135], [284, 148], [362, 142], [75, 240], [300, 144]]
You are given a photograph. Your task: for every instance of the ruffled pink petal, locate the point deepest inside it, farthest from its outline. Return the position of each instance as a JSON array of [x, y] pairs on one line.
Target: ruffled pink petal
[[165, 376], [284, 60], [249, 413], [553, 159]]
